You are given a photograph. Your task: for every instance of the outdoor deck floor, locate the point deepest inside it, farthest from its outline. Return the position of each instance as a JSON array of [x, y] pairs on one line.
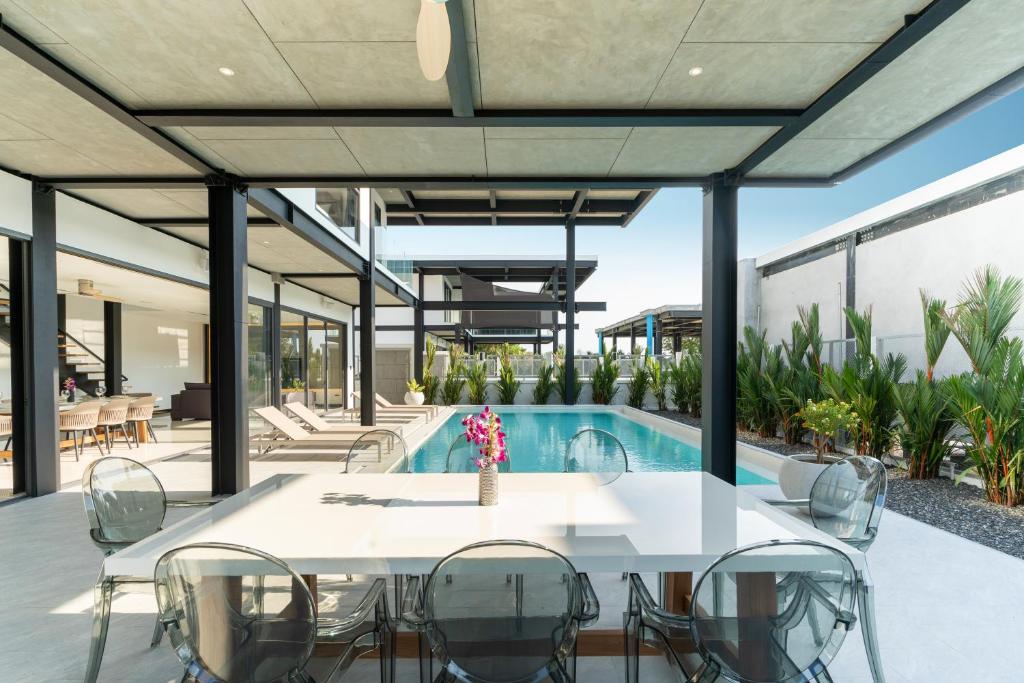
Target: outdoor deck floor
[[942, 602]]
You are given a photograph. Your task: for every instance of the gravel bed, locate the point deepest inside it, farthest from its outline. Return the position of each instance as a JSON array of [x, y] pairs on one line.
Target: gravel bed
[[962, 510]]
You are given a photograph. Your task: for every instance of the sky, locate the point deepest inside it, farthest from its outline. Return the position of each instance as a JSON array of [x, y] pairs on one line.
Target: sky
[[656, 260]]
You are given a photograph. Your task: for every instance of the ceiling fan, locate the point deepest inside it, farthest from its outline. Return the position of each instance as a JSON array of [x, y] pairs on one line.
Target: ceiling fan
[[86, 288], [433, 39]]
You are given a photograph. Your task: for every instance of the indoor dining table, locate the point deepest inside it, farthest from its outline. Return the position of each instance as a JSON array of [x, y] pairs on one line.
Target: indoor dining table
[[672, 523]]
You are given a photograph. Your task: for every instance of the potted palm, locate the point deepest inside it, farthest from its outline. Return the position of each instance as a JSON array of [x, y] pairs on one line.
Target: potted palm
[[414, 394], [825, 419]]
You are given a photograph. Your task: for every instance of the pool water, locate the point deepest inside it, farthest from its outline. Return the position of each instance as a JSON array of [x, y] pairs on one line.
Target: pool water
[[537, 442]]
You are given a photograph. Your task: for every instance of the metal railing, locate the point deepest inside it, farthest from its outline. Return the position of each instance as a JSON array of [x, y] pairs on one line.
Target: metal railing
[[530, 365]]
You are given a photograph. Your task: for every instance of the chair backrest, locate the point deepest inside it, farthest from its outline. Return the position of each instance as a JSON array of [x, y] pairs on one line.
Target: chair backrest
[[114, 411], [775, 612], [124, 501], [382, 443], [300, 411], [83, 416], [474, 624], [383, 402], [141, 408], [847, 500], [235, 614], [282, 423], [6, 425], [598, 451], [462, 457]]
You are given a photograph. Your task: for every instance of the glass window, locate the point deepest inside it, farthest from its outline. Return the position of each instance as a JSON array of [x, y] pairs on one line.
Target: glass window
[[259, 356], [341, 205], [293, 344], [336, 369], [316, 354]]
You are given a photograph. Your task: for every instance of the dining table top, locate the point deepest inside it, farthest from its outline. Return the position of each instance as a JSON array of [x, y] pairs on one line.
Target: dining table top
[[62, 405], [406, 523]]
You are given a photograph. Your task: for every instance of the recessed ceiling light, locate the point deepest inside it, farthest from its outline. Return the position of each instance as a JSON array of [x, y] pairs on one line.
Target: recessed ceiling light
[[266, 242], [696, 71], [226, 71]]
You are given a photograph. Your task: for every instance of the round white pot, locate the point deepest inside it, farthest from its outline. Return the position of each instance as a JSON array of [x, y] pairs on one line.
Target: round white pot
[[799, 472], [414, 398]]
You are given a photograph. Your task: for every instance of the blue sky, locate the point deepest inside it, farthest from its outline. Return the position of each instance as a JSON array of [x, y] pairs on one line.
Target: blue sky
[[657, 259]]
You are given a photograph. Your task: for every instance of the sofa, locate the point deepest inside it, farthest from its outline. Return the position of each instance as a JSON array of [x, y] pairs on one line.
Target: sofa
[[193, 403]]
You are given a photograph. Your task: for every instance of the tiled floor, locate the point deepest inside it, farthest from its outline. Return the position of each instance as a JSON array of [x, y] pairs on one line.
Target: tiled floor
[[948, 609]]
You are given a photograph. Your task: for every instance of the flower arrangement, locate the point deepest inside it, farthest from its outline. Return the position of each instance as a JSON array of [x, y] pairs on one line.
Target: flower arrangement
[[69, 385], [485, 431]]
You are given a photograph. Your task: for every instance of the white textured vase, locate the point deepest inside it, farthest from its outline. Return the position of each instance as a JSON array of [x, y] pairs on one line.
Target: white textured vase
[[799, 472], [488, 480], [414, 398]]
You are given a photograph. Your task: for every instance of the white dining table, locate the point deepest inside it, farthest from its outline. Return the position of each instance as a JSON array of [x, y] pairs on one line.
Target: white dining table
[[401, 524]]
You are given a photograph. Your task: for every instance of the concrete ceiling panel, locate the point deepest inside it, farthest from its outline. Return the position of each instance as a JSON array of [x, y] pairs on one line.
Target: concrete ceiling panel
[[816, 158], [27, 25], [581, 53], [417, 151], [12, 130], [738, 75], [551, 157], [47, 158], [687, 151], [141, 203], [800, 21], [170, 52], [288, 157]]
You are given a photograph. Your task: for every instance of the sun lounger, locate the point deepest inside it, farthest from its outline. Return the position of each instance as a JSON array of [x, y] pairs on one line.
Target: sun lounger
[[386, 406]]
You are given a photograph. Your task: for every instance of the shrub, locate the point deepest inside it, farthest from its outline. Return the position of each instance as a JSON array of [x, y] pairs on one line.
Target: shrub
[[758, 370], [826, 419], [560, 380], [636, 390], [659, 383], [799, 381], [508, 385], [431, 383], [603, 379], [545, 385], [927, 416], [451, 390], [476, 379]]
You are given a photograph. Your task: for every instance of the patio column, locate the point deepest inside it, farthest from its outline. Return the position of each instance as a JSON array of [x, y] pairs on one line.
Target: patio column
[[570, 313], [367, 337], [718, 336], [228, 303], [677, 343], [419, 342], [632, 339], [34, 375], [275, 346], [112, 357], [650, 335], [659, 341], [554, 295], [600, 343]]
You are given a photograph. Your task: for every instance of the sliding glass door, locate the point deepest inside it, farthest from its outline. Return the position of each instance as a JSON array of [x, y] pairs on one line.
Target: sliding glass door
[[293, 343], [316, 354], [336, 367]]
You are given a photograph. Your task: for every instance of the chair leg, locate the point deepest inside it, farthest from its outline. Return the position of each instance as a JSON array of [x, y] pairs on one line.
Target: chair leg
[[124, 433], [158, 632], [106, 437], [866, 597], [74, 437], [152, 432], [102, 595], [519, 594], [95, 441], [135, 432]]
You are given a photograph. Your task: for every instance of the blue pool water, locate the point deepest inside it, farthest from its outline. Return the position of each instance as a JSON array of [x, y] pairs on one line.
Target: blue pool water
[[537, 442]]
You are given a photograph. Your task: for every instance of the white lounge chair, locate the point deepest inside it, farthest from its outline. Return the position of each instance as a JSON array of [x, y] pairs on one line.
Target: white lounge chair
[[284, 428], [387, 407], [319, 425]]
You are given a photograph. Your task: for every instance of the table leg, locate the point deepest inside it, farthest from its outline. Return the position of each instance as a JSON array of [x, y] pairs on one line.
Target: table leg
[[756, 598], [102, 596], [677, 590], [311, 581], [868, 628]]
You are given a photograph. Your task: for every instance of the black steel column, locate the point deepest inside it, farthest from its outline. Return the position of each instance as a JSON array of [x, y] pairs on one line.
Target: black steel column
[[112, 356], [367, 337], [228, 353], [419, 341], [275, 348], [570, 313], [34, 367], [659, 341], [632, 339], [677, 343], [851, 290], [718, 437]]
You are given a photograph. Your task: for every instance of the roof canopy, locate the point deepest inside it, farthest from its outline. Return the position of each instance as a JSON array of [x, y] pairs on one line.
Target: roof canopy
[[550, 272], [683, 320]]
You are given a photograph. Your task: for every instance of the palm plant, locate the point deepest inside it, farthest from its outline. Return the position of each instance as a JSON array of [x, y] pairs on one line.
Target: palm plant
[[431, 383], [508, 385], [476, 380], [811, 328], [758, 370], [454, 380], [936, 331], [799, 380], [659, 383], [603, 379], [560, 380], [545, 385], [639, 382], [691, 385]]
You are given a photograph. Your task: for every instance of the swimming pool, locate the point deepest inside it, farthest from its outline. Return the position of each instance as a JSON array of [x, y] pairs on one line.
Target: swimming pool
[[537, 440]]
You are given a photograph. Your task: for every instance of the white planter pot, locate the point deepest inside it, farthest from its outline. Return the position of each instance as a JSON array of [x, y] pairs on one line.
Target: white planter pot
[[799, 472], [414, 398]]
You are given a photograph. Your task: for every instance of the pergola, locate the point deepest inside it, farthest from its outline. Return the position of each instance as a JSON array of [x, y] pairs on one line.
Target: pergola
[[673, 322], [211, 110]]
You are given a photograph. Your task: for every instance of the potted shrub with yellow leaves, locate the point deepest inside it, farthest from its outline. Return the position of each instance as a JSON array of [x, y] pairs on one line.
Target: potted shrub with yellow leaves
[[826, 419]]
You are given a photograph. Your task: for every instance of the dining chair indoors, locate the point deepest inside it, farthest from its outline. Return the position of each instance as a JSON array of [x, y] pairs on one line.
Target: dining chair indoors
[[140, 412], [775, 612], [847, 499], [237, 614], [114, 414], [383, 443], [462, 457], [481, 633], [124, 503], [79, 421]]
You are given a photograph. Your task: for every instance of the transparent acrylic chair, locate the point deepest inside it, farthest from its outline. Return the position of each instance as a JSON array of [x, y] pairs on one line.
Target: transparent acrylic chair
[[597, 451], [383, 443], [462, 456], [237, 614], [480, 632], [769, 613], [124, 503], [847, 499]]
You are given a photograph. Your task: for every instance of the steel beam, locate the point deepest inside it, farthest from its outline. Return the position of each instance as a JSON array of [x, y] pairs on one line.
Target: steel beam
[[497, 305], [34, 376], [511, 221], [718, 337], [458, 77], [570, 313], [442, 118], [485, 207], [917, 27], [228, 320], [112, 347]]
